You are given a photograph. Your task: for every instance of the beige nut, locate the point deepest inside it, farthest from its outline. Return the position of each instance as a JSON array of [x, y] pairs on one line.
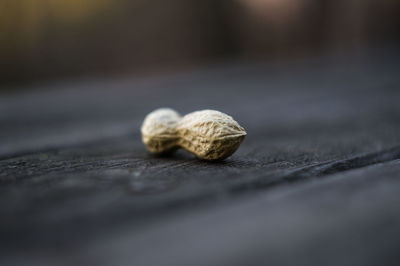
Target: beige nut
[[209, 134]]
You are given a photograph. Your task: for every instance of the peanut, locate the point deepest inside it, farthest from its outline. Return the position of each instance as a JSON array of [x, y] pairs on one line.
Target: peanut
[[209, 134]]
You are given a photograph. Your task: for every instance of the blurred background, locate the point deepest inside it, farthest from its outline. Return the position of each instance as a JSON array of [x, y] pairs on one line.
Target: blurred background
[[57, 39]]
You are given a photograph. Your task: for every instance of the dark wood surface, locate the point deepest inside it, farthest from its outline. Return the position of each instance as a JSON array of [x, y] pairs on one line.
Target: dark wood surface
[[316, 181]]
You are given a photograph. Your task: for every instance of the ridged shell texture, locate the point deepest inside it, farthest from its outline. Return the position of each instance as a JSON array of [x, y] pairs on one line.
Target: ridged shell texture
[[209, 134]]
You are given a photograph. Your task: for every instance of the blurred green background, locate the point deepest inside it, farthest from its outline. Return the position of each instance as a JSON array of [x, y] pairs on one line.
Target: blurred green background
[[58, 39]]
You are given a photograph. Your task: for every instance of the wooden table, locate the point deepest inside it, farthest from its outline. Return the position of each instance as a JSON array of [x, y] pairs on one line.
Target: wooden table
[[316, 181]]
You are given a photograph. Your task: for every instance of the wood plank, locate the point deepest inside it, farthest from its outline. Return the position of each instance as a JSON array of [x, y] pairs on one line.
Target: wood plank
[[317, 175]]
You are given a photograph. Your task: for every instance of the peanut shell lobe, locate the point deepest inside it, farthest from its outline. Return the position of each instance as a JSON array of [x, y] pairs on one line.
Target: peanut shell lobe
[[209, 134], [158, 130]]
